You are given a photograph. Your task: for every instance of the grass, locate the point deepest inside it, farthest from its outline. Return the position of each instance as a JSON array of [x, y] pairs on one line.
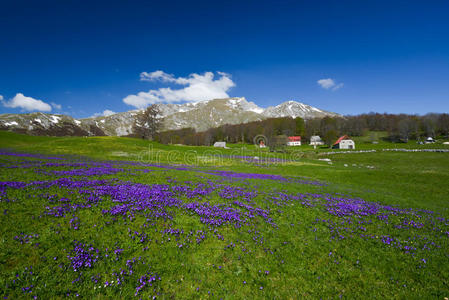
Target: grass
[[302, 256]]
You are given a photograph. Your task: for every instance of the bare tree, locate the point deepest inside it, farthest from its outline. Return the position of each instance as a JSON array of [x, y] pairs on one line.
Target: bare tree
[[443, 124], [405, 128], [148, 122], [313, 127], [278, 143], [429, 124]]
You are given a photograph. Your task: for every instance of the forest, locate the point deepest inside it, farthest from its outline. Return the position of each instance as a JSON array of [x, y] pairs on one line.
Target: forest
[[399, 128]]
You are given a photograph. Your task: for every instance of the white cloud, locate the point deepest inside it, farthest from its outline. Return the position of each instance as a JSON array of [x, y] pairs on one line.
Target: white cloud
[[157, 75], [326, 83], [198, 87], [108, 112], [55, 105], [105, 113], [26, 103], [1, 97], [329, 83]]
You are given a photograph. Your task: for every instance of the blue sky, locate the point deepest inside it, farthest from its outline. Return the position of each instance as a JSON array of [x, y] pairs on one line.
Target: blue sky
[[85, 58]]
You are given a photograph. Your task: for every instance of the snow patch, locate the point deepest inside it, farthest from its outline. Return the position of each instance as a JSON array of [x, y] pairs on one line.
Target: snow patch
[[13, 123], [121, 130], [55, 119], [257, 110]]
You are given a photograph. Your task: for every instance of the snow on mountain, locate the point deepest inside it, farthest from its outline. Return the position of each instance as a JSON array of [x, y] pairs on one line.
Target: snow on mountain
[[43, 124], [217, 112], [118, 124], [242, 104], [296, 109], [198, 115], [212, 113]]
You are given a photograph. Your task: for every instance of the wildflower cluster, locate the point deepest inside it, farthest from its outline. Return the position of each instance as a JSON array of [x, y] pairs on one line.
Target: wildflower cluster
[[221, 207]]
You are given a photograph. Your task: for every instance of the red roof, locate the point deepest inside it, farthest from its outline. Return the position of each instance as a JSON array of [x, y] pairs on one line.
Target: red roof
[[341, 139], [294, 138]]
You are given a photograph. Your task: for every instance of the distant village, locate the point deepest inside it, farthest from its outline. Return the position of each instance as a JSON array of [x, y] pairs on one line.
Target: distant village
[[332, 132], [343, 142]]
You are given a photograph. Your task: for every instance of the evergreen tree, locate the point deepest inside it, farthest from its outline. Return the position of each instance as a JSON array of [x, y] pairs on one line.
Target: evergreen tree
[[148, 122]]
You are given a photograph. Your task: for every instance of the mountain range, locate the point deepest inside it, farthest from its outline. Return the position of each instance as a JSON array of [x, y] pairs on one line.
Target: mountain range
[[199, 115]]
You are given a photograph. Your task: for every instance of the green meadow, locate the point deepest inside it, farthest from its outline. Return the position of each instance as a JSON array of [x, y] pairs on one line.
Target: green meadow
[[113, 217]]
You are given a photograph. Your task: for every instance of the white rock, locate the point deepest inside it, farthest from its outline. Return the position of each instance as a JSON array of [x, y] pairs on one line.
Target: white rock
[[324, 159]]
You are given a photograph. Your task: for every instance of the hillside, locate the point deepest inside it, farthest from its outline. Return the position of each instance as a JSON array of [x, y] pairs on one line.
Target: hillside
[[200, 116]]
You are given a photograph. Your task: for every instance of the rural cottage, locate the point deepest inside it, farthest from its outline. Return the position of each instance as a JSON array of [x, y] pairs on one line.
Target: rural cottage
[[294, 141], [315, 140], [344, 142]]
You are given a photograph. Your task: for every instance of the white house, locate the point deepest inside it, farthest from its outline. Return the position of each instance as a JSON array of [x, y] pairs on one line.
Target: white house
[[344, 142], [430, 140], [294, 141], [315, 140]]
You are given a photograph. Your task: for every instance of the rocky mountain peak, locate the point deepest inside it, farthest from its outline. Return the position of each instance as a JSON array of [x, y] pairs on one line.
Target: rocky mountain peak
[[198, 115]]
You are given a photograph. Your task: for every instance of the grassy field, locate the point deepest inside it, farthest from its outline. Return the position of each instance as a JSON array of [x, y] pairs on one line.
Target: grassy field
[[107, 217]]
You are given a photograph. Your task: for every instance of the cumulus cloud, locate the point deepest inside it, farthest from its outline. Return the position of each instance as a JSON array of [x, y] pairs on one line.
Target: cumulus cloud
[[329, 83], [105, 113], [27, 103], [198, 87]]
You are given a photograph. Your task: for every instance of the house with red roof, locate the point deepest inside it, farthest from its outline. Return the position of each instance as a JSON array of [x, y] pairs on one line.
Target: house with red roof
[[344, 142], [294, 141]]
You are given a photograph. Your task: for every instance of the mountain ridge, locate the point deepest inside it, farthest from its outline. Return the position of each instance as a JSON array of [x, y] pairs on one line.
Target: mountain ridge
[[198, 115]]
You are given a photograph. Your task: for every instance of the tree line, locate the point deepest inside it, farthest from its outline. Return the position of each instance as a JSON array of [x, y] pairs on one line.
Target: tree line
[[399, 127], [239, 133]]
